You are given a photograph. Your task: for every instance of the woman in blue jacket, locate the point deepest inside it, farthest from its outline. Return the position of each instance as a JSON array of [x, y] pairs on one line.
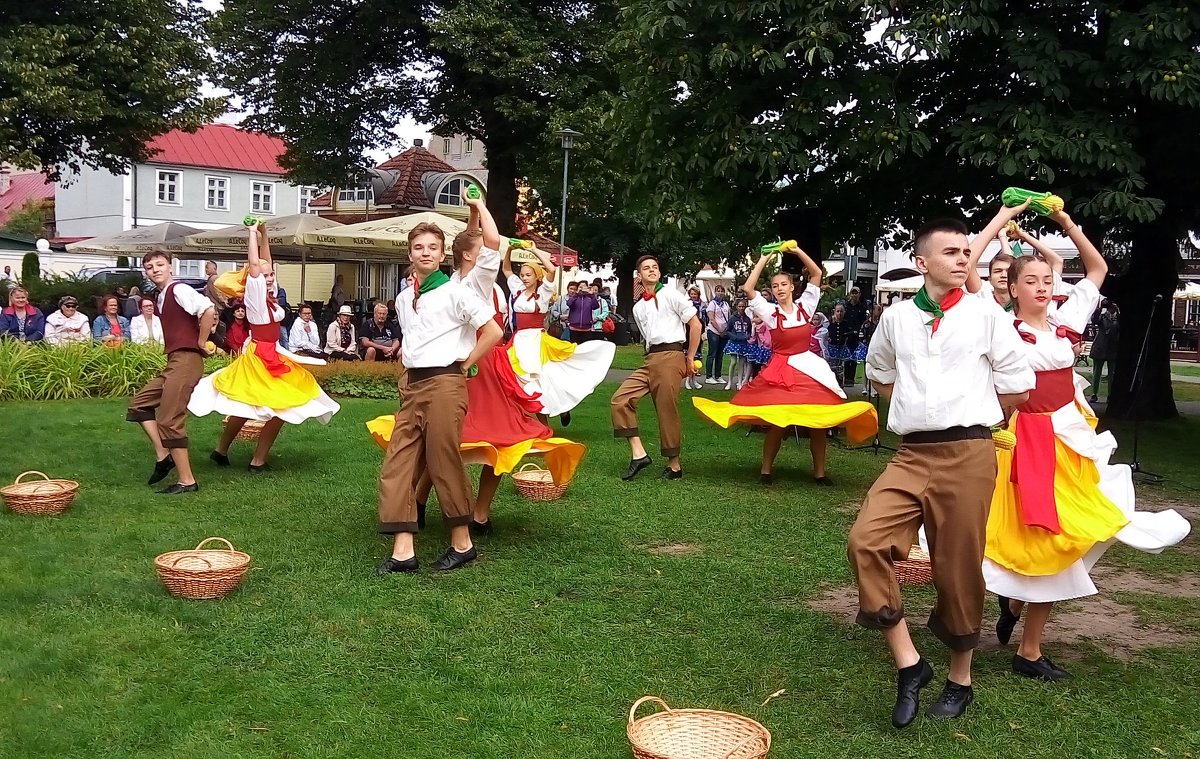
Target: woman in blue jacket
[[20, 320]]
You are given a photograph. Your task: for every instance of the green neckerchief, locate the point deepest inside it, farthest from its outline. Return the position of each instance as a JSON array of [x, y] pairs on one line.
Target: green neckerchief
[[658, 287], [432, 282], [926, 304]]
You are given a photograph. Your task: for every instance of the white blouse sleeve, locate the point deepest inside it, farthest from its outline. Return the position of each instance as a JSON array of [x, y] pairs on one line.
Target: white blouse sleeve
[[809, 300], [1077, 311], [763, 308]]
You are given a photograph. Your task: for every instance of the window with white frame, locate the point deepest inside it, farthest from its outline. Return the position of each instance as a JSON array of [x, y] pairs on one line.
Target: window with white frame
[[262, 197], [216, 193], [306, 196], [451, 192], [356, 195], [1193, 311], [470, 145], [445, 146], [191, 268], [169, 188]]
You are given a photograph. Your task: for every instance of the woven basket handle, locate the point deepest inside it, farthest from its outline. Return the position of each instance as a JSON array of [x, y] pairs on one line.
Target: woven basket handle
[[207, 540], [31, 471], [533, 465], [188, 556], [741, 745], [643, 700]]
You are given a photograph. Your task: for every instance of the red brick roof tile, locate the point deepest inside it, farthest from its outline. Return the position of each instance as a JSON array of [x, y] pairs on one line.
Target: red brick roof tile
[[23, 188], [219, 146]]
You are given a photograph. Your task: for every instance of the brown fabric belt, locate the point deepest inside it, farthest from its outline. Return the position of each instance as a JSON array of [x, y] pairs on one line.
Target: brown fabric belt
[[665, 347], [977, 432], [429, 372]]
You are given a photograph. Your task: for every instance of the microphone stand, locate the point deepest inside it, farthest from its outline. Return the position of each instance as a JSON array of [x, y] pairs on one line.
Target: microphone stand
[[1135, 387], [877, 444]]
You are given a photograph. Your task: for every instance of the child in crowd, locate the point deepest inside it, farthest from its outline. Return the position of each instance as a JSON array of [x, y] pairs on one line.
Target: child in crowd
[[738, 347]]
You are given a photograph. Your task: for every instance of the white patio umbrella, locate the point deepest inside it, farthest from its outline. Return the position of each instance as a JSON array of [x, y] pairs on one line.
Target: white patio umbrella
[[1189, 291], [382, 239], [169, 236]]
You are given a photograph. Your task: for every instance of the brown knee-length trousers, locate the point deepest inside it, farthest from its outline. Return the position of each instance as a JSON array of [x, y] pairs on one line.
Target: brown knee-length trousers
[[426, 438], [662, 377], [165, 398], [948, 488]]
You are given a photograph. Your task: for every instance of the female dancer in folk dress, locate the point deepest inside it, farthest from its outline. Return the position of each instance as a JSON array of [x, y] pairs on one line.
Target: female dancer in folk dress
[[796, 387], [1058, 503], [265, 383], [559, 374]]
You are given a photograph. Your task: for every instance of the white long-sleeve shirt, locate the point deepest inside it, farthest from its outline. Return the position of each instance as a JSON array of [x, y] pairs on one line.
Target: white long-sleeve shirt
[[140, 332], [304, 336], [950, 378]]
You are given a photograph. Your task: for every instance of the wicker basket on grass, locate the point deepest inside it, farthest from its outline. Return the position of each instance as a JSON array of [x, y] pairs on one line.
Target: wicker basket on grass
[[537, 484], [44, 497], [916, 569], [249, 431], [695, 734], [202, 573]]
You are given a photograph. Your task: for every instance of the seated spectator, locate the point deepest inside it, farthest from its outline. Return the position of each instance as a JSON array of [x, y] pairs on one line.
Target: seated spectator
[[146, 327], [110, 327], [219, 338], [304, 338], [21, 321], [237, 331], [133, 304], [380, 340], [67, 325], [339, 339]]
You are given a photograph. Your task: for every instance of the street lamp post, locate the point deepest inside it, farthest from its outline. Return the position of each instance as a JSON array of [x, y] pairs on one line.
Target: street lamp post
[[568, 141]]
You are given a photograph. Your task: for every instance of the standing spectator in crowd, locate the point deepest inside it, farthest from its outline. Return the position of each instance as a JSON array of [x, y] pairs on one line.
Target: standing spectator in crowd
[[337, 294], [738, 346], [380, 338], [218, 298], [606, 294], [766, 293], [146, 327], [717, 319], [110, 327], [1104, 347], [67, 325], [820, 334], [580, 306], [856, 316], [837, 350], [558, 322], [601, 312], [865, 333], [21, 321], [237, 331], [132, 305], [7, 277], [304, 338], [340, 341]]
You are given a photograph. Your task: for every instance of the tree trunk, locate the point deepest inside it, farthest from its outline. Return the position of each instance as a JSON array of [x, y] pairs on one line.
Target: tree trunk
[[623, 268], [1152, 273], [502, 188]]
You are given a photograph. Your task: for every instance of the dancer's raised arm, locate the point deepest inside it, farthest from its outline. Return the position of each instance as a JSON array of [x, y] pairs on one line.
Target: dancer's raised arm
[[255, 261], [810, 266], [487, 225], [984, 238], [1093, 263], [749, 287], [547, 263]]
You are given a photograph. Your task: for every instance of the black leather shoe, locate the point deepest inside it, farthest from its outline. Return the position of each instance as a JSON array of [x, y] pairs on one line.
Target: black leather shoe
[[222, 459], [1042, 669], [766, 478], [635, 466], [953, 702], [420, 516], [823, 481], [407, 566], [256, 468], [1006, 622], [161, 470], [452, 559], [565, 418], [909, 682], [480, 528], [672, 474], [176, 489]]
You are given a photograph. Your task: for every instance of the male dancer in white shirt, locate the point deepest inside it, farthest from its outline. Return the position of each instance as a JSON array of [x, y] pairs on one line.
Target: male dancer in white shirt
[[948, 365], [665, 317]]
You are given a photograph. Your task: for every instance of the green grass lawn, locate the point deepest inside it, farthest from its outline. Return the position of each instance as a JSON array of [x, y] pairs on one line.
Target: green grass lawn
[[695, 591], [1186, 370]]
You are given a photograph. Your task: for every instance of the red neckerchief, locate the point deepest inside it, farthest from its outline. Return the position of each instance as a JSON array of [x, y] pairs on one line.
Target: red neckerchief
[[799, 312], [1074, 337], [1060, 299]]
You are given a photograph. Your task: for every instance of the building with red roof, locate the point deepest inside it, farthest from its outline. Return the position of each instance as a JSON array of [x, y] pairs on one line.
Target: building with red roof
[[17, 189], [208, 179]]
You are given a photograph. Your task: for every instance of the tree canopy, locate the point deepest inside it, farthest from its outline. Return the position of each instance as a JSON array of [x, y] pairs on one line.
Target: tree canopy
[[86, 83], [884, 114]]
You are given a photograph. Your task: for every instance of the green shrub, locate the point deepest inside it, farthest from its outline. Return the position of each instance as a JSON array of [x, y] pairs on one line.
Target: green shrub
[[89, 370], [31, 269], [46, 291], [122, 262]]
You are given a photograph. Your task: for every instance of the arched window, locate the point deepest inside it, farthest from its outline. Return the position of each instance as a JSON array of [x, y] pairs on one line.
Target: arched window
[[451, 192]]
